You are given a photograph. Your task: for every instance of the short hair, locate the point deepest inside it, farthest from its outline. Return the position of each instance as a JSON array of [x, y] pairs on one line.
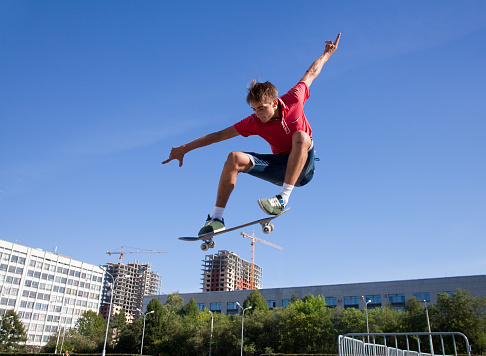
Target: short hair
[[261, 92]]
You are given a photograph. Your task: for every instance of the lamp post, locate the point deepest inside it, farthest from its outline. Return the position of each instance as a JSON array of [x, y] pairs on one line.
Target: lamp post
[[63, 334], [143, 329], [112, 286], [211, 333], [242, 324], [366, 310], [428, 325]]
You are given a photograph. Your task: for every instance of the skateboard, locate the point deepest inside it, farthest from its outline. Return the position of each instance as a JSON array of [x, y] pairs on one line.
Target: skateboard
[[208, 243]]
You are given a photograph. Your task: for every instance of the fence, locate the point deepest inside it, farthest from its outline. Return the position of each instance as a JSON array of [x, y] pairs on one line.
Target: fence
[[404, 344]]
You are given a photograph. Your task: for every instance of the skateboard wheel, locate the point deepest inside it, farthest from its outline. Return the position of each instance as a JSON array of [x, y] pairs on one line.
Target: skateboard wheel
[[204, 246], [271, 227], [212, 244], [267, 229]]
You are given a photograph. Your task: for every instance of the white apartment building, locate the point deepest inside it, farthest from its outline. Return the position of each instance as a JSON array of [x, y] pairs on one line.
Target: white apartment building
[[47, 290]]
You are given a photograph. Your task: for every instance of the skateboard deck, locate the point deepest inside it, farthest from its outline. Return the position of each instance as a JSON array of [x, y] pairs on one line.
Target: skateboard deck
[[208, 243]]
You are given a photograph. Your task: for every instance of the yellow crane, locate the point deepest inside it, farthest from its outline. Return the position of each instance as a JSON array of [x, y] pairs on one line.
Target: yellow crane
[[121, 252], [253, 239]]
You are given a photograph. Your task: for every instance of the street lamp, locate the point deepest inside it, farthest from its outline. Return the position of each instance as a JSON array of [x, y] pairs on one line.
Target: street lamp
[[366, 309], [112, 285], [143, 329], [211, 333], [428, 324], [242, 323]]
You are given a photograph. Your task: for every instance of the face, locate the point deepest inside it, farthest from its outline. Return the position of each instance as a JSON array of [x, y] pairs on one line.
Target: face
[[265, 111]]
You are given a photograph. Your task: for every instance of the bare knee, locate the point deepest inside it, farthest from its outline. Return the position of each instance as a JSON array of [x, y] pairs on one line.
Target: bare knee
[[301, 140], [238, 161]]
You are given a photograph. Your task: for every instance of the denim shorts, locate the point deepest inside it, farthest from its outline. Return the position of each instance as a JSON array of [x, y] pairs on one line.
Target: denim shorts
[[272, 168]]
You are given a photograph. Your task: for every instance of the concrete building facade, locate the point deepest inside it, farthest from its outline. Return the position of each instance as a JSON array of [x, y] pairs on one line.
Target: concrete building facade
[[132, 282], [48, 291], [351, 295], [226, 271]]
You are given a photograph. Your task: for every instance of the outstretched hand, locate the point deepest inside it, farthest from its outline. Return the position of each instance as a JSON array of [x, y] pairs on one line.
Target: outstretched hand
[[331, 47], [176, 153]]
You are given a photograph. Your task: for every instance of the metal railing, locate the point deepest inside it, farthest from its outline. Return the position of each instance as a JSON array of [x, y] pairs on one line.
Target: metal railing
[[403, 344]]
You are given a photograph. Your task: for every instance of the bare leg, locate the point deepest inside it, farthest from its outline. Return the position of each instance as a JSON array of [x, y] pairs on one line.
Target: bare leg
[[301, 143], [236, 162]]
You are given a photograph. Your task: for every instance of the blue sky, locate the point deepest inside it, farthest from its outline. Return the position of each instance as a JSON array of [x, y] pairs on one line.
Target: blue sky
[[93, 96]]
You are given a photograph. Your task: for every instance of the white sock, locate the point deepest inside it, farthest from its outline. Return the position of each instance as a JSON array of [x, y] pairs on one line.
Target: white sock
[[285, 192], [217, 213]]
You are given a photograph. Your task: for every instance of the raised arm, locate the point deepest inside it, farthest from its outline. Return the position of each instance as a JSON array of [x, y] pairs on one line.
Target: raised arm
[[316, 67], [179, 152]]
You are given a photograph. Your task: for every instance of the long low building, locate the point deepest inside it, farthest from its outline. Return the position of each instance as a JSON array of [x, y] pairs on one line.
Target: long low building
[[353, 295]]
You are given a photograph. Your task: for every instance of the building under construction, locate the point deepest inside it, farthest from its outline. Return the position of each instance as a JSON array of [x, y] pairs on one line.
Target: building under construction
[[131, 282], [226, 271]]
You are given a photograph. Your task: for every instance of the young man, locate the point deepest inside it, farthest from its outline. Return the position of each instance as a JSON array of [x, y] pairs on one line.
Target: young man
[[282, 123]]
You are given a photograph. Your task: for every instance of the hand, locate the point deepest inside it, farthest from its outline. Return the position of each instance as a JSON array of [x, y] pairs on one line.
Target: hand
[[176, 153], [331, 47]]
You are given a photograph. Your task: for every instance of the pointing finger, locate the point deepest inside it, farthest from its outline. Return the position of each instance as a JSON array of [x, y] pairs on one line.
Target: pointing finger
[[337, 39]]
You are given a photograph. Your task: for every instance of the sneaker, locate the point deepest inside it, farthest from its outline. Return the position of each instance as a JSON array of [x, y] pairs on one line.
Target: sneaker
[[211, 226], [272, 206]]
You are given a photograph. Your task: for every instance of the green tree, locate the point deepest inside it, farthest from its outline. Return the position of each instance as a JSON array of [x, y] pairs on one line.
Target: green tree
[[294, 298], [92, 325], [155, 324], [385, 320], [12, 332], [118, 324], [174, 302], [190, 309], [77, 343], [305, 327], [414, 318], [130, 338], [260, 332], [463, 313], [350, 320], [256, 301]]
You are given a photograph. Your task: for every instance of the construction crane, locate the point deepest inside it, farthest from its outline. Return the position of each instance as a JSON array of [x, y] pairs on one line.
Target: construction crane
[[121, 252], [253, 239]]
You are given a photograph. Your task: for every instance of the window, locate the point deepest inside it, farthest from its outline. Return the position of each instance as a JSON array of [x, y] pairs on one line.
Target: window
[[424, 296], [231, 306], [374, 300], [351, 302], [271, 304], [396, 298], [215, 306], [331, 301], [285, 302]]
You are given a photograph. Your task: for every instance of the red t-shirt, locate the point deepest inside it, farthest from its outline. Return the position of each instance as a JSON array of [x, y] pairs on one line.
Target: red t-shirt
[[278, 132]]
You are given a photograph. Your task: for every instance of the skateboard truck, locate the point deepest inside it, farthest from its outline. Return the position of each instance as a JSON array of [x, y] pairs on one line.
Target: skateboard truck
[[265, 223], [207, 244]]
